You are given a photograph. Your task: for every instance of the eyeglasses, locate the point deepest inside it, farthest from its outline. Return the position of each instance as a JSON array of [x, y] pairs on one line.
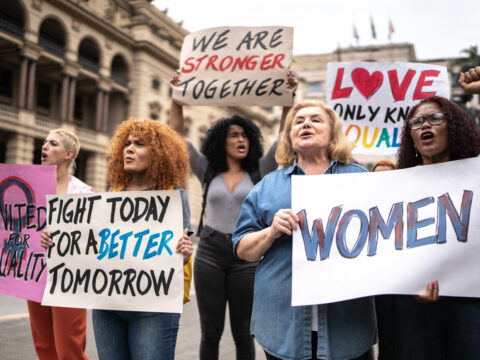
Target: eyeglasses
[[434, 119]]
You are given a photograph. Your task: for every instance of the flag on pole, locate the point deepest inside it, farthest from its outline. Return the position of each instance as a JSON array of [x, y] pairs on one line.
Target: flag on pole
[[391, 29], [372, 25], [355, 34]]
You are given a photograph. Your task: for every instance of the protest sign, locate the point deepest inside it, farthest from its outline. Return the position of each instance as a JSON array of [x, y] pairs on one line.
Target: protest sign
[[115, 251], [23, 191], [373, 98], [389, 232], [236, 66]]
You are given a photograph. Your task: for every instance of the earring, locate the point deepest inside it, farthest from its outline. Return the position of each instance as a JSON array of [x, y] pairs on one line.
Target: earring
[[417, 154]]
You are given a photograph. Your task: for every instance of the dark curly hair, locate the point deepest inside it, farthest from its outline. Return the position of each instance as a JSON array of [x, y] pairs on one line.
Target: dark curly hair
[[214, 145], [463, 136]]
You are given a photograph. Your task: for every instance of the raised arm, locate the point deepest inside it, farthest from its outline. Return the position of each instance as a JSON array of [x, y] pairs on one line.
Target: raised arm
[[176, 110], [292, 84], [470, 80]]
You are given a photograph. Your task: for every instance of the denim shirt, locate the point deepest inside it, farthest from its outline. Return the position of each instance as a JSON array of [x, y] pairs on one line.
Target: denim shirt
[[346, 329]]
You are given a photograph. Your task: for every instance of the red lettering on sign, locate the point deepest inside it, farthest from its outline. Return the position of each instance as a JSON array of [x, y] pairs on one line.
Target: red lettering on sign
[[418, 94], [337, 92]]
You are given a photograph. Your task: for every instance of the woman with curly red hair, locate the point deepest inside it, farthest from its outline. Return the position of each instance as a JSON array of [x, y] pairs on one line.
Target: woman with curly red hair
[[428, 326], [145, 155]]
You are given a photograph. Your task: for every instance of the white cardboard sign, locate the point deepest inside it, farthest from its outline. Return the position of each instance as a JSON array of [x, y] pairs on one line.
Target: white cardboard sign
[[373, 99], [389, 232], [236, 66], [115, 251]]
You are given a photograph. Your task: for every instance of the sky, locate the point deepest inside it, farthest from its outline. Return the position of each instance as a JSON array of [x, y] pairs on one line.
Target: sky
[[437, 28]]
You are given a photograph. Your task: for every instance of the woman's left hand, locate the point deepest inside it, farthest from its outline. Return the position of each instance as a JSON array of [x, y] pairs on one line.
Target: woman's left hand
[[292, 82], [185, 246], [431, 295]]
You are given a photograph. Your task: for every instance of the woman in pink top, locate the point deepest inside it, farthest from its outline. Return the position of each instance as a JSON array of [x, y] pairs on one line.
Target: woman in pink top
[[59, 332]]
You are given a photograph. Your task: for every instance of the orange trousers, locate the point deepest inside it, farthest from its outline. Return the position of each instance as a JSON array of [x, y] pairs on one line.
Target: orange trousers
[[58, 333]]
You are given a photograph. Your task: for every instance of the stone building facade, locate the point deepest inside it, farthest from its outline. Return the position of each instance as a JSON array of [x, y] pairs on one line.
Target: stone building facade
[[87, 65]]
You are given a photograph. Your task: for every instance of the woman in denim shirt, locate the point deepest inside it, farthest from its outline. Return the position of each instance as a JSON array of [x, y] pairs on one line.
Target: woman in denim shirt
[[312, 142]]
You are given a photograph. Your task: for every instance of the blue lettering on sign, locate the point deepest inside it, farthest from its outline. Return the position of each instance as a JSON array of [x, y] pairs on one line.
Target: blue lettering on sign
[[113, 244]]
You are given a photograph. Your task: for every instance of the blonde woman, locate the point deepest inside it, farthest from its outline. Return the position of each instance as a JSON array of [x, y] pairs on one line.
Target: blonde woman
[[312, 143], [59, 332]]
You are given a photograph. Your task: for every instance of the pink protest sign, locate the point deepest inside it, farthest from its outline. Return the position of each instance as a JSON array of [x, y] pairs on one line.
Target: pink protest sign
[[23, 191]]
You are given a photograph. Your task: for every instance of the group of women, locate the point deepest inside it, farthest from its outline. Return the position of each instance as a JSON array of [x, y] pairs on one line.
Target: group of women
[[247, 264]]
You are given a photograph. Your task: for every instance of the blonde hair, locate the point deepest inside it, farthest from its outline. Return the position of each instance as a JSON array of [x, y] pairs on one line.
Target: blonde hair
[[70, 142], [340, 148]]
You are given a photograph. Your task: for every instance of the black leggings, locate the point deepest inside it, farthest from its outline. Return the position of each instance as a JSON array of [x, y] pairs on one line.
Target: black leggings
[[220, 277], [367, 356]]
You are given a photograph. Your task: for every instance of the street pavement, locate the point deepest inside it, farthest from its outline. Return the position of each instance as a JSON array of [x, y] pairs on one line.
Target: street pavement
[[16, 340]]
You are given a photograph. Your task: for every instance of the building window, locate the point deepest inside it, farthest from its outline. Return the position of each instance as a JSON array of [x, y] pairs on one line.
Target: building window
[[155, 109], [315, 87], [6, 82], [156, 84], [454, 79], [78, 108], [44, 95]]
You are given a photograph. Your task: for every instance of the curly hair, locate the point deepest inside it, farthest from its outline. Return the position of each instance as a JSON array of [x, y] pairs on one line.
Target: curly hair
[[463, 136], [169, 166], [340, 148], [214, 145]]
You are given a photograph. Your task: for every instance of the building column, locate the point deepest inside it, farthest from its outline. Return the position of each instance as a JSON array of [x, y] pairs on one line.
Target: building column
[[31, 84], [95, 171], [20, 149], [22, 89], [127, 109], [71, 100], [106, 100], [64, 98], [99, 110]]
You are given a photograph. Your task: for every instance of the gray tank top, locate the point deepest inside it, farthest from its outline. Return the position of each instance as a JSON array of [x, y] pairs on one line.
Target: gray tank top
[[223, 208]]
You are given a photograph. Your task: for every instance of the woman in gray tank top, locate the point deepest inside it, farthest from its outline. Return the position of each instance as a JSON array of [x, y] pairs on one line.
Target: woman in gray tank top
[[228, 167]]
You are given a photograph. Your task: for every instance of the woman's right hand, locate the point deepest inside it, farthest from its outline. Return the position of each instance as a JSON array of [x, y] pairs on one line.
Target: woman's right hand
[[431, 295], [176, 109], [284, 222], [46, 240], [470, 80], [175, 80]]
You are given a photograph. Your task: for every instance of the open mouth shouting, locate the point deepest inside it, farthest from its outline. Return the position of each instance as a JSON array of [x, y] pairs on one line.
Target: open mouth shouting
[[242, 148], [427, 137]]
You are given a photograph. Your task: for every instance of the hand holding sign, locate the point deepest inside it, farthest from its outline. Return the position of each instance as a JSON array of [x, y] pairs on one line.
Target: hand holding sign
[[185, 246]]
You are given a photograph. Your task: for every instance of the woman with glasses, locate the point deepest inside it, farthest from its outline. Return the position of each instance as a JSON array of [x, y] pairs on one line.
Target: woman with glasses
[[428, 326]]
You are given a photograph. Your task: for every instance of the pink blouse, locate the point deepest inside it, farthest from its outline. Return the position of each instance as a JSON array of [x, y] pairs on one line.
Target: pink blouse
[[76, 186]]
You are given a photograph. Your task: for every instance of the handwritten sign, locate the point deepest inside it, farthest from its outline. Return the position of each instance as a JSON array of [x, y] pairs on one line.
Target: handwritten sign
[[23, 190], [236, 66], [115, 251], [373, 99], [366, 239]]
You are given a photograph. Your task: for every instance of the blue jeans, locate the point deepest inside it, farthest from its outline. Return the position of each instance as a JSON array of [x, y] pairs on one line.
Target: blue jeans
[[443, 330], [135, 335]]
